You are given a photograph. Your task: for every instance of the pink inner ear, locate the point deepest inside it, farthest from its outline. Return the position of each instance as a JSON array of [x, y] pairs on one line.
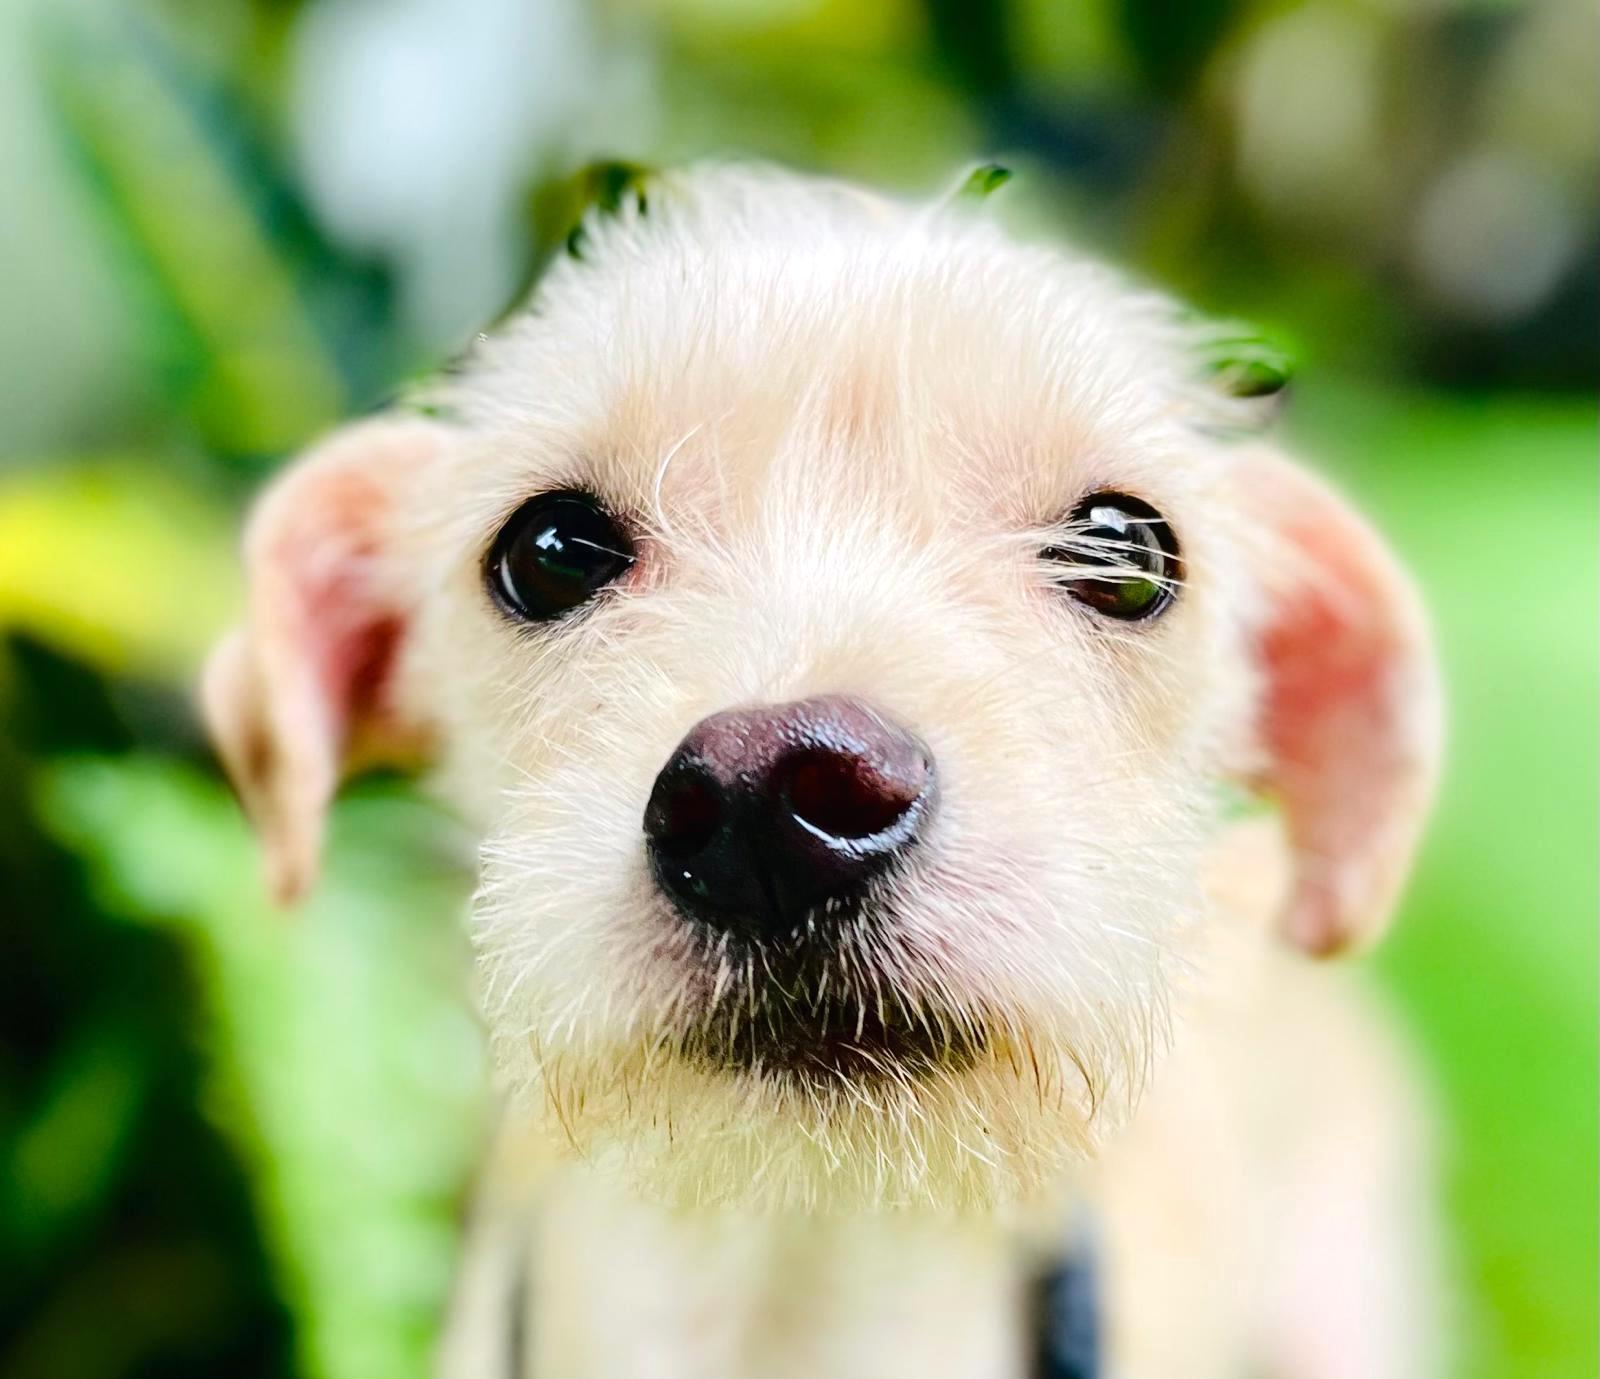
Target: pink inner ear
[[368, 666], [329, 635], [339, 614], [1348, 719], [1330, 726], [327, 653], [308, 688], [354, 642]]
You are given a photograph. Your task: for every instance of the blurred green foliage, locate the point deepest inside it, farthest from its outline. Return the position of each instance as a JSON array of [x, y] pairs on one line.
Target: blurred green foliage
[[355, 1139], [1495, 954], [234, 1142]]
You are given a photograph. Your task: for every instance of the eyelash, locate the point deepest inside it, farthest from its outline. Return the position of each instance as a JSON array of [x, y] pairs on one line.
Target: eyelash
[[1117, 556]]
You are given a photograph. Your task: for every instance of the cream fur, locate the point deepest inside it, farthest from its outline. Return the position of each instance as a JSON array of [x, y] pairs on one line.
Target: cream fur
[[842, 430], [846, 429]]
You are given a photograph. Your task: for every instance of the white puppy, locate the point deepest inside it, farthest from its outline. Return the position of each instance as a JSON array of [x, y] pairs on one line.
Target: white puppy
[[850, 631]]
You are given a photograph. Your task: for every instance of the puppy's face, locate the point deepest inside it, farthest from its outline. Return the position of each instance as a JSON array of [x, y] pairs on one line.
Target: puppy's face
[[841, 624]]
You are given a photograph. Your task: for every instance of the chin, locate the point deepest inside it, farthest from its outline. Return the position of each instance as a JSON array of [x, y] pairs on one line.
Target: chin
[[734, 1083], [674, 1130]]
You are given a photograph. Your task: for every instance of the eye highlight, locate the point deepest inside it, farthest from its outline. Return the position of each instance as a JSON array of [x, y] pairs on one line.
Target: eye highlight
[[1119, 557], [555, 553]]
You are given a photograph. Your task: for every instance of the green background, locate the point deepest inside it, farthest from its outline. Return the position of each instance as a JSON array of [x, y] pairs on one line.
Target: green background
[[235, 1142]]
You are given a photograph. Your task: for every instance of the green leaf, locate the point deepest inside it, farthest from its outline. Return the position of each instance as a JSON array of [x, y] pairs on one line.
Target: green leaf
[[1244, 363], [263, 334], [345, 1064], [558, 207], [1172, 40], [983, 181], [63, 1160]]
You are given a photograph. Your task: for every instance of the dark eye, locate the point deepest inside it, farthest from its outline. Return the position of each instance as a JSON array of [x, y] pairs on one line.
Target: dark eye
[[1118, 556], [557, 551]]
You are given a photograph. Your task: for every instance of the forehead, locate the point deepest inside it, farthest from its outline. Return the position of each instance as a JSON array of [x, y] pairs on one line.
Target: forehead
[[751, 333]]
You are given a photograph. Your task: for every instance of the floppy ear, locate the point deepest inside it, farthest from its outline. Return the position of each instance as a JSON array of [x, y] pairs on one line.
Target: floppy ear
[[306, 689], [1348, 719]]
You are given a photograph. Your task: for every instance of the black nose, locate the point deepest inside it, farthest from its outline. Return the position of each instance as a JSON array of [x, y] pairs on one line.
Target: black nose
[[762, 814]]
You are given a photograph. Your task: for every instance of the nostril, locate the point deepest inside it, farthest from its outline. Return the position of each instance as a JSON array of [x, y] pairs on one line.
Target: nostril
[[762, 814], [847, 796], [684, 814]]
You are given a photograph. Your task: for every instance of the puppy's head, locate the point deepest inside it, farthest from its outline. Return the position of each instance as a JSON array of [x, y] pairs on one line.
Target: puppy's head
[[842, 624]]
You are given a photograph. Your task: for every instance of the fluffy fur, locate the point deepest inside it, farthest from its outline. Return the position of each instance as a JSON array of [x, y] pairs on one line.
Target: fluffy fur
[[842, 430], [845, 433]]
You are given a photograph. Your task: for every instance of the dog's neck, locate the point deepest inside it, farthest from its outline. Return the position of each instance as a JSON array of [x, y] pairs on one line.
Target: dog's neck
[[604, 1279], [610, 1280]]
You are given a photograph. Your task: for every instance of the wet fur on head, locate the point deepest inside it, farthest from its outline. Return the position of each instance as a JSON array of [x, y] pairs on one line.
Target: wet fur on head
[[841, 431]]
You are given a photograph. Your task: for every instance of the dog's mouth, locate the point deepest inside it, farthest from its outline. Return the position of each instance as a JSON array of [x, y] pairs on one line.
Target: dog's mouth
[[841, 1041], [789, 1011]]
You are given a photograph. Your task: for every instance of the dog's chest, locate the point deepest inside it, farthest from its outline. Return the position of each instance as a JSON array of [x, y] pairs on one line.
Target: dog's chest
[[620, 1288]]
